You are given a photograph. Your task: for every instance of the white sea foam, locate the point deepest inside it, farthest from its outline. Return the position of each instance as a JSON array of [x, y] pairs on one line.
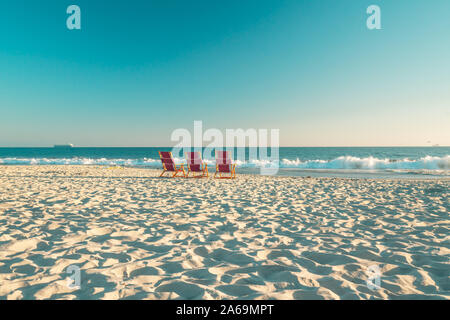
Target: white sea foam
[[343, 162], [79, 161], [371, 163]]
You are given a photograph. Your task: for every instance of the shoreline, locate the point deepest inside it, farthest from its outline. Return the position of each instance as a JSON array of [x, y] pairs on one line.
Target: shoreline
[[283, 172]]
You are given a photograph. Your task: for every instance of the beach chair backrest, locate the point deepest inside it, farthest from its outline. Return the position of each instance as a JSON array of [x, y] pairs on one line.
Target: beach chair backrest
[[194, 161], [194, 158], [223, 161], [167, 160], [223, 158]]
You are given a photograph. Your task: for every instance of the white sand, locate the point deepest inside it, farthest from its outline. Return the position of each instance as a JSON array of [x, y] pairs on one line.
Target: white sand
[[137, 236]]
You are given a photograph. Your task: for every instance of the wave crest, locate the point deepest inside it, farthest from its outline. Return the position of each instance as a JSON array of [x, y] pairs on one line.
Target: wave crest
[[371, 163], [343, 162]]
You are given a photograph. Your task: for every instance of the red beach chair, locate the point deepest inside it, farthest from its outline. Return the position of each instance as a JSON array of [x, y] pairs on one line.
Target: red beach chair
[[224, 165], [169, 164], [196, 164]]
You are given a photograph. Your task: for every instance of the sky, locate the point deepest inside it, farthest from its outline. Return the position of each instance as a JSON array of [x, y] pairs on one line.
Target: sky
[[138, 70]]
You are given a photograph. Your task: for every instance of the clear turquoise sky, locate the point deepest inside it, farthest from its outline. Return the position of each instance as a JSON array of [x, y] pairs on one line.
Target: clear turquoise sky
[[140, 69]]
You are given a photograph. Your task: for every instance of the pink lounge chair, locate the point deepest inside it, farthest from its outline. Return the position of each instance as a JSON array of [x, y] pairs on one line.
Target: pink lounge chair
[[169, 164], [196, 164], [224, 165]]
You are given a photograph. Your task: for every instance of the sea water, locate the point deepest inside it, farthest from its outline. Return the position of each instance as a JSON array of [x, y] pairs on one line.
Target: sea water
[[363, 162]]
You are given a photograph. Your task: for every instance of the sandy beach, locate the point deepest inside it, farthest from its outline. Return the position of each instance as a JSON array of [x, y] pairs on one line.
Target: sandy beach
[[137, 236]]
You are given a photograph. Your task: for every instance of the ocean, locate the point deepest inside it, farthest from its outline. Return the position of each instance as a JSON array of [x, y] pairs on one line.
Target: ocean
[[359, 162]]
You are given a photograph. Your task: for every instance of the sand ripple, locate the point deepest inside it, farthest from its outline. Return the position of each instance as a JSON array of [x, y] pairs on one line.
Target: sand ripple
[[136, 236]]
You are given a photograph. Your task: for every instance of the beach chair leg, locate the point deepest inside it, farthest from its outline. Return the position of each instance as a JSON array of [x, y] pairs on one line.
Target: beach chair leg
[[164, 171], [179, 171]]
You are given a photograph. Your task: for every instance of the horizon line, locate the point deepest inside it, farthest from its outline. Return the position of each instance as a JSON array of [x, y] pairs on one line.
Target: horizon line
[[359, 146]]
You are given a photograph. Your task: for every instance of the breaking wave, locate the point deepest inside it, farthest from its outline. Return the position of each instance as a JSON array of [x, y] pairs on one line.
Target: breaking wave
[[371, 163], [343, 162]]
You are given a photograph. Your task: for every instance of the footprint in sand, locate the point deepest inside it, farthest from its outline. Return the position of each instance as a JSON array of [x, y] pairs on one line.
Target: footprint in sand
[[183, 289], [328, 258], [145, 271], [232, 257], [239, 291], [202, 274], [172, 267], [276, 273]]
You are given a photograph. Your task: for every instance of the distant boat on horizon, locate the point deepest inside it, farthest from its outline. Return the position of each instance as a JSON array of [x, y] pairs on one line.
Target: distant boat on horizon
[[63, 146]]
